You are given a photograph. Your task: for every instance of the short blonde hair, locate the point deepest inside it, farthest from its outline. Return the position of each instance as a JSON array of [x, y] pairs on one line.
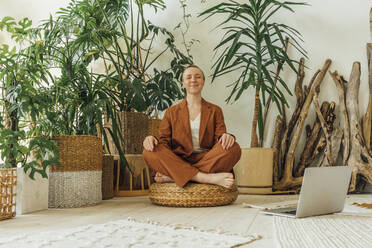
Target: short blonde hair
[[192, 66]]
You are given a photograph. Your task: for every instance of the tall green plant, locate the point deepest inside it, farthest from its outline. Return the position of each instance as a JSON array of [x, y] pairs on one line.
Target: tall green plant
[[77, 99], [85, 31], [21, 73], [253, 44], [125, 44]]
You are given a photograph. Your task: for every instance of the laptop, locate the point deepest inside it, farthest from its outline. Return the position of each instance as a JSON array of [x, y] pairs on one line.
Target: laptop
[[323, 191]]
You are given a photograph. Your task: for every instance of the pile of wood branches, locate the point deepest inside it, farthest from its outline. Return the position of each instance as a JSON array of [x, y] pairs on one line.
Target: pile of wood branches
[[350, 141], [324, 141], [287, 136]]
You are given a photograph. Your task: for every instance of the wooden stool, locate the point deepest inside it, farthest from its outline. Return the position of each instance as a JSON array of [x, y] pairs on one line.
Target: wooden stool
[[138, 166]]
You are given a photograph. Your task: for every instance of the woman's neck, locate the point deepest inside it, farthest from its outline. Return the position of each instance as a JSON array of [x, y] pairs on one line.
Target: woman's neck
[[193, 100]]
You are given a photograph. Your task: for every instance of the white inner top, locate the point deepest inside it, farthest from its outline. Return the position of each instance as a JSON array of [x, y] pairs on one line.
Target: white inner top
[[195, 126]]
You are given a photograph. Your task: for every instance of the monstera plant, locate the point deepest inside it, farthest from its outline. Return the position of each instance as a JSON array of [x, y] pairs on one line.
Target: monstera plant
[[253, 44]]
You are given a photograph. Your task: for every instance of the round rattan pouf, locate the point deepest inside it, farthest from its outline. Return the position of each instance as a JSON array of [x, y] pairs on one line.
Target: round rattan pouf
[[192, 195]]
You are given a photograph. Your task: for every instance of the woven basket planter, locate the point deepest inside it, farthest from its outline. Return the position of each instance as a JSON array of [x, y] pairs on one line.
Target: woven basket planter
[[8, 183], [77, 182], [107, 177], [154, 127], [134, 127], [192, 195]]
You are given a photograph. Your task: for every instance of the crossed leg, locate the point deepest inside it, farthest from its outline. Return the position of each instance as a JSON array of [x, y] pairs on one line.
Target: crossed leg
[[223, 179], [212, 167]]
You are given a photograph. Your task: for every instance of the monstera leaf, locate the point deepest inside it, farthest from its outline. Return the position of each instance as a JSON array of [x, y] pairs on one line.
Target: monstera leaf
[[163, 90], [135, 95]]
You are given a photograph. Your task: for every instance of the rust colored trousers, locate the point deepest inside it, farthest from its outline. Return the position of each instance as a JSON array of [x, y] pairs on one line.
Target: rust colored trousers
[[182, 170]]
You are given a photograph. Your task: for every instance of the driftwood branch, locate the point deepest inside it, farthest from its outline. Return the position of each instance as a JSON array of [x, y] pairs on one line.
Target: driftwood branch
[[319, 150], [359, 157], [288, 181], [299, 103], [340, 83], [279, 124], [324, 128], [314, 143], [308, 87], [367, 118], [336, 143]]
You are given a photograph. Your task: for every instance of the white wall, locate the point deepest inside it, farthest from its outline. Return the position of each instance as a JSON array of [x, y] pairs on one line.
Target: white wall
[[331, 29], [35, 10]]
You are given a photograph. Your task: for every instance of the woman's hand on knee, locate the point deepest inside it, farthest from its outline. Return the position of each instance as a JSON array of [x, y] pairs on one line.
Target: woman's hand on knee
[[227, 141], [149, 143]]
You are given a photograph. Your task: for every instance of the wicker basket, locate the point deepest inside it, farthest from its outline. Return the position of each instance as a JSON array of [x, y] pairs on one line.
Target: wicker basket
[[8, 183], [154, 127], [78, 181], [134, 127], [107, 177], [192, 195], [78, 153]]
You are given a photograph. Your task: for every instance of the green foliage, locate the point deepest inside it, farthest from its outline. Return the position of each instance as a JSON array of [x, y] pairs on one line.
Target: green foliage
[[36, 103], [253, 45], [21, 72], [33, 153], [19, 31], [125, 44], [78, 98]]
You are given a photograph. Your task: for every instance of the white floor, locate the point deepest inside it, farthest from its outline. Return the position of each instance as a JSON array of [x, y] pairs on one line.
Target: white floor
[[233, 218]]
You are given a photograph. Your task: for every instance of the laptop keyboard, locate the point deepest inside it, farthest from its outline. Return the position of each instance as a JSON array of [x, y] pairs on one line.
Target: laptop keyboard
[[291, 212]]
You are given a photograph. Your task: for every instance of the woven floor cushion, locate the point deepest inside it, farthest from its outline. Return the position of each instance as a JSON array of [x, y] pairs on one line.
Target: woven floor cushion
[[192, 195]]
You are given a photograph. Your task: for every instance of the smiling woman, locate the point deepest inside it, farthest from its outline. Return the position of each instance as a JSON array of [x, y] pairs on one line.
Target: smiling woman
[[193, 144]]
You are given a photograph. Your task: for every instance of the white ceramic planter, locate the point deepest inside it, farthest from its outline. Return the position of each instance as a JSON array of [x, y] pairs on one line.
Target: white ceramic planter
[[32, 195]]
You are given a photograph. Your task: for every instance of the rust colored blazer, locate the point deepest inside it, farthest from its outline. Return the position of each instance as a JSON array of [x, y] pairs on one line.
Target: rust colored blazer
[[175, 132]]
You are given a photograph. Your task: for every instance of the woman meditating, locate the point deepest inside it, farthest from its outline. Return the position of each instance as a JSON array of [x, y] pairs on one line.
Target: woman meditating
[[193, 144]]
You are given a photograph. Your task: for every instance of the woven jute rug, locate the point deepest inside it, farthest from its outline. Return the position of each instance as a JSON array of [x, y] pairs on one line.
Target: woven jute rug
[[128, 233], [326, 231]]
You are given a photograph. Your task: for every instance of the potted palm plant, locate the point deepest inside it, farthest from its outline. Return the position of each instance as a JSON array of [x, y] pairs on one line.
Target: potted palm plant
[[23, 145], [253, 45]]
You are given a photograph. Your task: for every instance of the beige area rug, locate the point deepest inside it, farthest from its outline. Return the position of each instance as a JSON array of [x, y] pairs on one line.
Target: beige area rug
[[328, 231], [127, 233]]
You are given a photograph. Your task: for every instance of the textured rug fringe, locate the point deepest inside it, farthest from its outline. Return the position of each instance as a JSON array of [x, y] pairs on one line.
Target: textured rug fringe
[[258, 237], [194, 228]]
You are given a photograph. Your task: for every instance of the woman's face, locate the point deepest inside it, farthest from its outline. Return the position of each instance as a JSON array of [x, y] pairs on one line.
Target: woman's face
[[193, 80]]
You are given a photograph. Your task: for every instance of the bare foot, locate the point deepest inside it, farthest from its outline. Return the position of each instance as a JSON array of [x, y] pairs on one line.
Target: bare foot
[[223, 179], [160, 178]]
